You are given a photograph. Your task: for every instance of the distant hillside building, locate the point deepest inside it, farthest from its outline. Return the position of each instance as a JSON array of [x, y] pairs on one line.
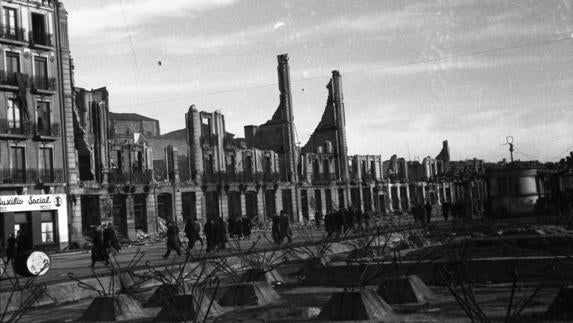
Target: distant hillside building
[[130, 123]]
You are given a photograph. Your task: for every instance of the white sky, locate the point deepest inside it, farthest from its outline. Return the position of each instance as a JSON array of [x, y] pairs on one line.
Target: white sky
[[414, 72]]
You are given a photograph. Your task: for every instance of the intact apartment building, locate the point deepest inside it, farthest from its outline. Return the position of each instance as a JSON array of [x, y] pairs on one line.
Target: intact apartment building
[[35, 83]]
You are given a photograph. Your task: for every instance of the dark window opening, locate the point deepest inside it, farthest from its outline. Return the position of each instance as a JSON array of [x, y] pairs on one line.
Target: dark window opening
[[41, 73], [46, 165], [39, 35], [12, 68], [43, 118]]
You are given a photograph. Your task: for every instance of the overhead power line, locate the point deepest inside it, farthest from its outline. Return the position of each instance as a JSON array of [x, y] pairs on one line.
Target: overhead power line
[[367, 70], [134, 56]]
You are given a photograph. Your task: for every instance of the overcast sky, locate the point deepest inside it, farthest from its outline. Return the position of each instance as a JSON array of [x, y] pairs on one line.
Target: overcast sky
[[413, 72]]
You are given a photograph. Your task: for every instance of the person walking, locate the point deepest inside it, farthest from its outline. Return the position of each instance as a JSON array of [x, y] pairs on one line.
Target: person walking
[[221, 232], [428, 208], [173, 242], [99, 252], [110, 241], [246, 227], [446, 210], [284, 227], [23, 243], [276, 229], [193, 233], [210, 234], [11, 248], [318, 219]]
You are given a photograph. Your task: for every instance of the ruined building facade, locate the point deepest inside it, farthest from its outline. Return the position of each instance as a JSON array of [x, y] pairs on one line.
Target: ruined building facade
[[204, 171], [114, 170], [95, 167]]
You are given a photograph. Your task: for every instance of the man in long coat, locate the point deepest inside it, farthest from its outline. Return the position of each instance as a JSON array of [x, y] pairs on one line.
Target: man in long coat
[[284, 228], [173, 242]]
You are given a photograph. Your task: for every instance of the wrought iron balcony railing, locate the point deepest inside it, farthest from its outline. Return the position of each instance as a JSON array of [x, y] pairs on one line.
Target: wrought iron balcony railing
[[323, 178], [48, 129], [22, 128], [40, 38], [11, 33], [117, 176], [10, 78], [44, 83], [31, 176], [51, 176], [241, 177]]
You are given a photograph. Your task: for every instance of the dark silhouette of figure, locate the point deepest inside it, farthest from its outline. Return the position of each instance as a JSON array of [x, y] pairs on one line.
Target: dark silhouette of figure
[[11, 248], [110, 241], [210, 234], [284, 228], [23, 243], [246, 227], [446, 210], [221, 233], [193, 233], [428, 208], [318, 219], [99, 252], [173, 242], [276, 229]]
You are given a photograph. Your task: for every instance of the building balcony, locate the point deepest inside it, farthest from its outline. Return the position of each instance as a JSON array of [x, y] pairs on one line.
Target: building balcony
[[31, 176], [241, 177], [16, 130], [40, 40], [51, 176], [323, 178], [48, 130], [12, 35], [368, 177], [44, 84], [17, 176], [270, 177], [10, 80], [117, 176], [232, 176]]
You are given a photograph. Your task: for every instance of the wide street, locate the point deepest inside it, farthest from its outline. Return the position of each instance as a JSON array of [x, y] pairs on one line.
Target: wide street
[[78, 262]]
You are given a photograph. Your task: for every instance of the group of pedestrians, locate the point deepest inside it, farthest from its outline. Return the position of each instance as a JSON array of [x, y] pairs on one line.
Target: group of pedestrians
[[343, 221], [17, 245], [215, 231], [281, 228], [104, 243], [216, 234], [423, 212], [239, 228]]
